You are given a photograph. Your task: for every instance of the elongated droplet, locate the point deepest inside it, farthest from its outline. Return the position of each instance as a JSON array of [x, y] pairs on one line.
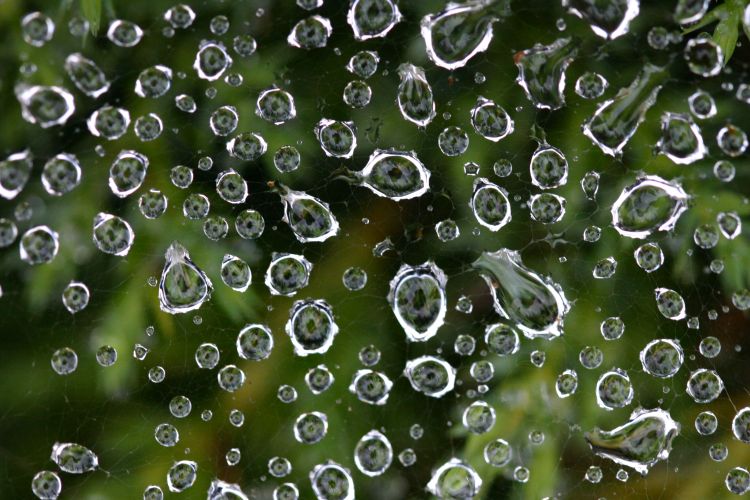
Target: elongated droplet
[[457, 33], [639, 443], [417, 298], [541, 71], [681, 140], [183, 286], [615, 121], [535, 303], [309, 218], [74, 458], [649, 204], [86, 75], [415, 98], [393, 174], [609, 18]]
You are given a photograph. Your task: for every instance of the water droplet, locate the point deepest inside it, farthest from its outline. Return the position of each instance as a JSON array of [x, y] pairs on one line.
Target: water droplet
[[39, 245], [15, 171], [649, 204], [704, 385], [309, 218], [454, 479], [211, 61], [430, 375], [332, 481], [64, 361], [591, 85], [681, 139], [372, 18], [86, 75], [457, 33], [109, 122], [37, 29], [183, 286], [662, 358], [46, 485], [479, 417], [127, 172], [287, 274], [75, 297], [541, 72], [614, 389], [670, 304], [490, 120], [254, 342], [417, 298], [610, 19], [310, 33], [112, 234], [704, 57], [490, 205], [124, 33], [548, 167], [311, 327], [534, 303], [45, 106], [74, 458], [615, 120], [415, 97], [639, 443], [182, 475]]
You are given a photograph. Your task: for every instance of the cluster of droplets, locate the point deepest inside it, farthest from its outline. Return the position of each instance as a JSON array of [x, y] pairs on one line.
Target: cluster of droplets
[[527, 301]]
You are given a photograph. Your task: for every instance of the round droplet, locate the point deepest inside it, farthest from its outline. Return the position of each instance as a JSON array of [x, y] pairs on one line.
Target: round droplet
[[453, 141], [310, 428], [249, 224], [478, 417], [662, 358], [649, 256], [75, 297], [182, 475], [287, 274], [254, 342], [704, 385], [311, 327], [310, 33], [566, 384], [112, 235], [454, 479], [231, 378], [124, 33], [670, 304], [371, 387], [430, 375], [706, 423], [373, 454], [46, 485], [614, 390], [417, 298], [39, 245], [61, 174]]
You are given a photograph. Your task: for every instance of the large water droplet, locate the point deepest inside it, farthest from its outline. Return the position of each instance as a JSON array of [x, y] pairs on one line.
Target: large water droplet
[[415, 98], [74, 458], [639, 443], [183, 286], [649, 204], [534, 303], [457, 33], [541, 71], [609, 18], [615, 120], [417, 298], [45, 106]]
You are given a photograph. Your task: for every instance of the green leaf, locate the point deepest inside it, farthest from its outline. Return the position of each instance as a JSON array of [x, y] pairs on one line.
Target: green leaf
[[726, 33], [91, 10], [712, 16]]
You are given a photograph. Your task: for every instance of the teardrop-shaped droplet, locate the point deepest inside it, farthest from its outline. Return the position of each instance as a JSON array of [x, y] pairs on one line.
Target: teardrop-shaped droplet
[[415, 98], [608, 18], [393, 174], [430, 375], [86, 75], [45, 106], [535, 303], [490, 205], [639, 443], [615, 120], [457, 33], [309, 218], [74, 458], [455, 479], [417, 298], [372, 18], [541, 71], [183, 286], [681, 140], [649, 204]]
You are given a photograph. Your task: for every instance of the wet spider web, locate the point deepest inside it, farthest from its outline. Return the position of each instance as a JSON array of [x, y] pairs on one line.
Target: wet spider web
[[115, 410]]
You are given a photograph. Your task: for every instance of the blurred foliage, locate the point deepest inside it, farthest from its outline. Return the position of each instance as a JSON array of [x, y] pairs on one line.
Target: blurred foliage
[[114, 410]]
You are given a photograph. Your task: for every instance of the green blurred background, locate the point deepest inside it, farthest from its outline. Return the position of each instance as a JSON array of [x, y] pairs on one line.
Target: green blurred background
[[114, 410]]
